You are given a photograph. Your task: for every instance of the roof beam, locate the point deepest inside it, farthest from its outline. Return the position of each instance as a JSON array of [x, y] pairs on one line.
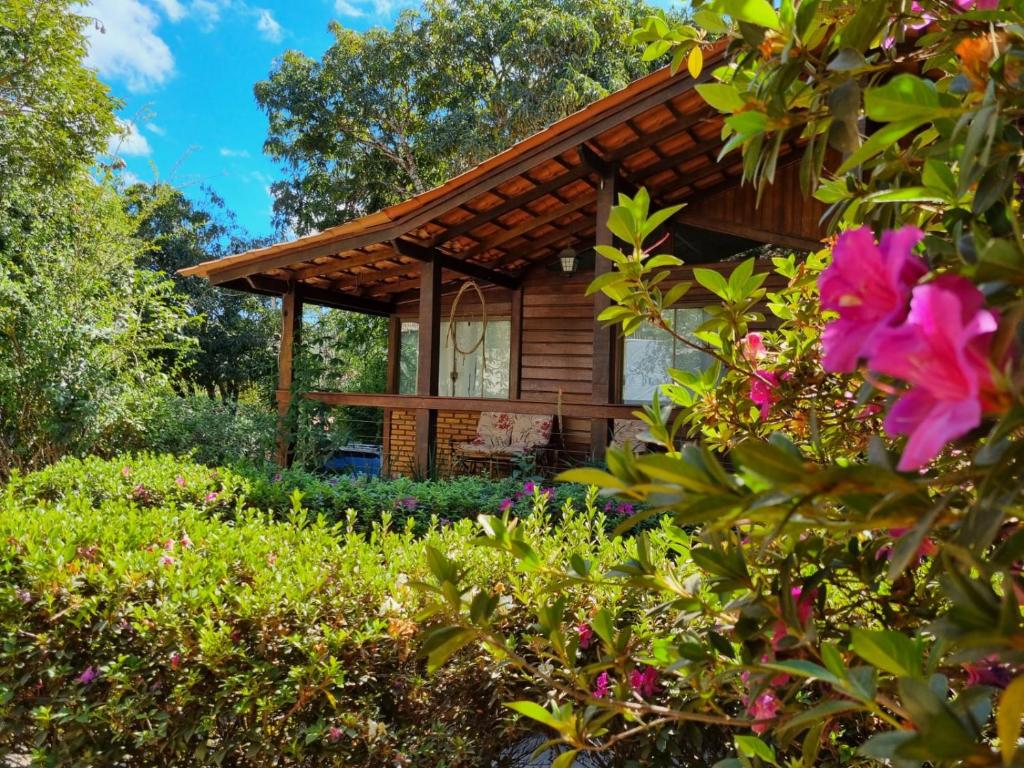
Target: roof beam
[[511, 204], [479, 271], [338, 264], [673, 161], [312, 295]]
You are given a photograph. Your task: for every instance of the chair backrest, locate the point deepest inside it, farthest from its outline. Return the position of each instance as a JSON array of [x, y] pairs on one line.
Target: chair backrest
[[494, 429], [627, 432], [531, 431]]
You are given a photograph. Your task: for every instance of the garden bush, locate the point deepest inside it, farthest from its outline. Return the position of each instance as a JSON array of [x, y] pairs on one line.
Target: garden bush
[[149, 617], [151, 479]]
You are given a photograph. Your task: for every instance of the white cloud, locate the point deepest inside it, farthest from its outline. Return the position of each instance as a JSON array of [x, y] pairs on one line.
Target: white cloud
[[126, 47], [346, 8], [129, 178], [268, 26], [228, 152], [129, 141], [207, 13], [154, 128], [172, 9]]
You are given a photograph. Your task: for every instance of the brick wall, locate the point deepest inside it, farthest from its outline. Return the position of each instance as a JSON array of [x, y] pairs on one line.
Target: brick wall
[[457, 426]]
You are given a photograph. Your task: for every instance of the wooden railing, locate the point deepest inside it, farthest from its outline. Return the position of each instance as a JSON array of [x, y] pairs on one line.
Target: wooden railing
[[476, 404]]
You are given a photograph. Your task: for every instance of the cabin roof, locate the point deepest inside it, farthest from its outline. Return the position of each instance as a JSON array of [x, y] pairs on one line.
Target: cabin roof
[[513, 211]]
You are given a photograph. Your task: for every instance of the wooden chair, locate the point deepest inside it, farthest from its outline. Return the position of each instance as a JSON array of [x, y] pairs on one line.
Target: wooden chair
[[501, 440]]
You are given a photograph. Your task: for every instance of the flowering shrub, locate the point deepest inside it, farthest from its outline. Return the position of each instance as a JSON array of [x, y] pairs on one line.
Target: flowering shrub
[[144, 629], [843, 582]]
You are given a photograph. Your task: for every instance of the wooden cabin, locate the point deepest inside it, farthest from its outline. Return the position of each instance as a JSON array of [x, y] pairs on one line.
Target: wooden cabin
[[507, 226]]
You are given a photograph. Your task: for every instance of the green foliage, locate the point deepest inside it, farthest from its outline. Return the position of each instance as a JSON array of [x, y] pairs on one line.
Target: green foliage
[[211, 431], [55, 114], [143, 627], [815, 605], [388, 113]]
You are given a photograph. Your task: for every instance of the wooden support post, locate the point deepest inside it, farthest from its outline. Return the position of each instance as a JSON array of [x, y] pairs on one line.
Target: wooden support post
[[429, 361], [291, 331], [515, 361], [603, 387], [394, 374]]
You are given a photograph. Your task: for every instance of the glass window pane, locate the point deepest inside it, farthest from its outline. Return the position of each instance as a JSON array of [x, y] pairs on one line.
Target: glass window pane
[[484, 371], [408, 358], [648, 354], [687, 321]]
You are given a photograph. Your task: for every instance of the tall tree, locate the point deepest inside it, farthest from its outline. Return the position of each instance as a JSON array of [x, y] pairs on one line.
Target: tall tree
[[234, 332], [388, 113]]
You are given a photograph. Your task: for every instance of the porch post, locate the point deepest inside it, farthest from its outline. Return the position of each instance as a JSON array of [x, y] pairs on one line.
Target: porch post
[[603, 382], [429, 359], [394, 373], [291, 330], [515, 373]]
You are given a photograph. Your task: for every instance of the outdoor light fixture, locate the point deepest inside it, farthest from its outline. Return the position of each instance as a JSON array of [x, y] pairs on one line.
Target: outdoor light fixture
[[568, 260]]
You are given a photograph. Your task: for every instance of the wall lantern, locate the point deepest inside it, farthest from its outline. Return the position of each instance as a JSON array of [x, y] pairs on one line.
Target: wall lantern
[[568, 260]]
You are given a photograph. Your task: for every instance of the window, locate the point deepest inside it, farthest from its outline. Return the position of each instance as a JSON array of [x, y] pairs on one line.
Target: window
[[484, 372], [650, 352]]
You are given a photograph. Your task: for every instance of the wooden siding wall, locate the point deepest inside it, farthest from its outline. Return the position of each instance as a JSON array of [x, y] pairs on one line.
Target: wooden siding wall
[[783, 216]]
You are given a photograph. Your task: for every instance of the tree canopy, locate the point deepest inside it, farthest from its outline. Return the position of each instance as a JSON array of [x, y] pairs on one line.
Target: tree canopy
[[389, 113]]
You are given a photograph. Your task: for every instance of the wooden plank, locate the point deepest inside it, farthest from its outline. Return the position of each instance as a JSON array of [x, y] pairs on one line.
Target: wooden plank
[[515, 343], [489, 214], [394, 353], [291, 331], [418, 403], [460, 264], [562, 373], [338, 264], [312, 295], [429, 363], [602, 385], [559, 359]]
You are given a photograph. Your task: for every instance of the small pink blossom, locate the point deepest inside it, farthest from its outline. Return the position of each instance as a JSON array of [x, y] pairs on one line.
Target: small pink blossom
[[765, 707], [506, 505], [868, 285], [169, 545], [334, 734], [24, 596], [126, 471], [601, 686], [211, 497], [644, 680], [88, 675], [804, 611], [928, 548], [762, 391], [186, 542], [167, 560], [941, 351], [625, 509], [529, 486], [586, 634], [179, 481], [753, 348], [175, 659]]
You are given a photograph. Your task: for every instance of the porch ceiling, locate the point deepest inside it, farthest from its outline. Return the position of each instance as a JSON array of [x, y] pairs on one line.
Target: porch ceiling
[[515, 210]]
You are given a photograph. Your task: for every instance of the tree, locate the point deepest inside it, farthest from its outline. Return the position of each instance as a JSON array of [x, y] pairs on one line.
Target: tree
[[389, 113], [234, 331], [55, 114]]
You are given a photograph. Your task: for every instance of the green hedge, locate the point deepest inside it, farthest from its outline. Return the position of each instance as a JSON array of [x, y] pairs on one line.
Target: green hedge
[[152, 480], [147, 622]]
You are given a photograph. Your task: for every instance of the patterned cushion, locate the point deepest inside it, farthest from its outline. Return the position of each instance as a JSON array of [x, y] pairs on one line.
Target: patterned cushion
[[629, 432], [493, 430], [531, 431]]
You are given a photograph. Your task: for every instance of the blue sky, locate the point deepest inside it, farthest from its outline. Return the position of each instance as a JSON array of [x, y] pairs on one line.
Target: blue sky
[[185, 70]]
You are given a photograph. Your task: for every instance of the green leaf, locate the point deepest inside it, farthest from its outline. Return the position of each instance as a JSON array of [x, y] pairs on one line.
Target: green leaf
[[907, 195], [905, 97], [536, 712], [713, 281], [769, 461], [751, 746], [566, 759], [888, 650], [807, 669], [591, 476], [443, 643], [880, 140], [759, 12], [1009, 716], [724, 98]]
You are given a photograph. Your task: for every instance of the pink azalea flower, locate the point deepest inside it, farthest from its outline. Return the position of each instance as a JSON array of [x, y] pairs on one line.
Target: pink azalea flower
[[175, 660], [753, 347], [179, 481], [167, 560], [601, 686], [334, 734], [868, 285], [644, 680], [211, 497], [586, 635], [88, 675], [804, 611], [625, 509], [765, 707], [928, 548], [988, 671], [169, 545], [528, 486], [941, 352], [762, 391], [506, 505], [186, 542]]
